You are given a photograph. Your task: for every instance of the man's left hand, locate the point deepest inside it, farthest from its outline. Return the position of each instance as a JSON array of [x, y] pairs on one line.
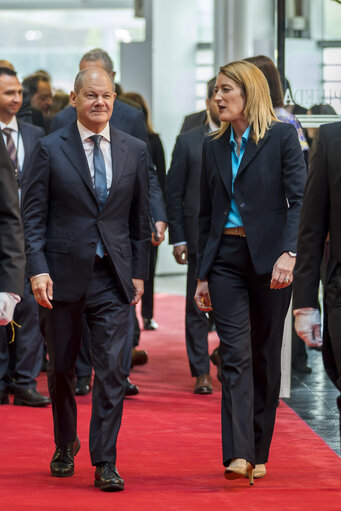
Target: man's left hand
[[160, 229], [282, 273], [139, 289]]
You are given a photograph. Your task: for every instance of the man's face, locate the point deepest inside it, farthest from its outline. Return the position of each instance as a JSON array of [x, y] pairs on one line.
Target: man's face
[[213, 109], [94, 101], [10, 97], [42, 99]]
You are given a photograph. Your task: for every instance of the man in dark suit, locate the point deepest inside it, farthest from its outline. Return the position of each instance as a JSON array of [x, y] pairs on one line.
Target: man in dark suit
[[197, 119], [86, 218], [131, 121], [183, 198], [20, 138], [321, 213], [12, 258]]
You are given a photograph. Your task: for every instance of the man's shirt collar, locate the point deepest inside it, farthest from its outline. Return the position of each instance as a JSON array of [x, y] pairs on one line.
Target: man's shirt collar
[[85, 133]]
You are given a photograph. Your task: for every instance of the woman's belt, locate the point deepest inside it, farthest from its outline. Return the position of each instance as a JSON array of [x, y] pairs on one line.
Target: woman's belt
[[234, 231]]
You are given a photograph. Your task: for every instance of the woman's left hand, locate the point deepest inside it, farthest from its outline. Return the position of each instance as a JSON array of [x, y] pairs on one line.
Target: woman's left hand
[[282, 273]]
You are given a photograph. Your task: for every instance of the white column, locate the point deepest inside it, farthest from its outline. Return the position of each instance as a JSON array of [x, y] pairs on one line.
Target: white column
[[174, 36], [243, 28]]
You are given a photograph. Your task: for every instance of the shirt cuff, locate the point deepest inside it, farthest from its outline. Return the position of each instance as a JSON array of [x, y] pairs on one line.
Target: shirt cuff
[[179, 243], [16, 297], [39, 275], [303, 310]]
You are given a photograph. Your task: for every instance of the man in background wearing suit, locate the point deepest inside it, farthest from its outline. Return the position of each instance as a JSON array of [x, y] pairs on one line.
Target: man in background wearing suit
[[131, 121], [197, 119], [12, 259], [183, 198], [321, 213], [86, 219], [20, 138]]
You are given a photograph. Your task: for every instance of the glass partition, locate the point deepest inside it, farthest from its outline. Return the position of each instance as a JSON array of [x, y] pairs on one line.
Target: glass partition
[[313, 60]]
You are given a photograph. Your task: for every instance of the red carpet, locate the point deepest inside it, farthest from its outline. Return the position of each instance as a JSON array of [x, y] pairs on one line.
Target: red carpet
[[169, 450]]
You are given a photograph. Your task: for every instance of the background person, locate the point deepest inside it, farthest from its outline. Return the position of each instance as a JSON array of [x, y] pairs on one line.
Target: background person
[[252, 181], [19, 375], [321, 215], [183, 198], [12, 258], [158, 158]]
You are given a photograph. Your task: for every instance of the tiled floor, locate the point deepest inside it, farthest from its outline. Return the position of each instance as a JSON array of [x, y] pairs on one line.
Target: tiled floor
[[313, 396]]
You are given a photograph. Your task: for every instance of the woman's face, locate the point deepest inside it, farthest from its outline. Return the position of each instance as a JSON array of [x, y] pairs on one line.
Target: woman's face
[[230, 99]]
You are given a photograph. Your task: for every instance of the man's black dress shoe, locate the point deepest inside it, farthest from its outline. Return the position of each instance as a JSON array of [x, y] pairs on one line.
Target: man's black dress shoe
[[4, 400], [216, 360], [62, 463], [138, 357], [83, 386], [130, 389], [30, 397], [203, 384], [107, 478]]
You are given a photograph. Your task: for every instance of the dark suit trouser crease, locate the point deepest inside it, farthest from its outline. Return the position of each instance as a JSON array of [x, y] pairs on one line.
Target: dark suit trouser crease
[[147, 300], [333, 305], [249, 321], [197, 326], [107, 314]]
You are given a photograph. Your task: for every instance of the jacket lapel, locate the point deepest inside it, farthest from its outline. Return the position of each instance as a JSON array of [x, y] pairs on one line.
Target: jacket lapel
[[74, 152], [223, 159], [251, 151], [118, 157], [25, 136]]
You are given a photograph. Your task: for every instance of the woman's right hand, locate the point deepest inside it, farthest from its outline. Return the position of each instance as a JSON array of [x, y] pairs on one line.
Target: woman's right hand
[[202, 296]]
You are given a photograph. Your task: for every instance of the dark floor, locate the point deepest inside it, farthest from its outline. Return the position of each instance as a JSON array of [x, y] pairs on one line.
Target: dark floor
[[313, 397]]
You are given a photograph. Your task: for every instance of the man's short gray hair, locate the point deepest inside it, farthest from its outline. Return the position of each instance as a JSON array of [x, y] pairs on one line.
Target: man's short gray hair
[[99, 54]]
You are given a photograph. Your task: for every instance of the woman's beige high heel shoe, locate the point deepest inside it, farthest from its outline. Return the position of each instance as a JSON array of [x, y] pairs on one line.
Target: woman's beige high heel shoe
[[259, 471], [239, 468]]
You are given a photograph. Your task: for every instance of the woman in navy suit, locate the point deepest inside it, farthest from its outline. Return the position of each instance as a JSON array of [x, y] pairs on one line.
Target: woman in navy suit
[[252, 184]]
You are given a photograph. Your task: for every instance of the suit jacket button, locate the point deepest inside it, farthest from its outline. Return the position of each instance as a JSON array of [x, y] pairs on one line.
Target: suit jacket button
[[242, 205], [92, 244]]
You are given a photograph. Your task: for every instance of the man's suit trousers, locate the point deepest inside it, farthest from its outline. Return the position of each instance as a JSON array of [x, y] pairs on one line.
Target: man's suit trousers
[[196, 326], [107, 314]]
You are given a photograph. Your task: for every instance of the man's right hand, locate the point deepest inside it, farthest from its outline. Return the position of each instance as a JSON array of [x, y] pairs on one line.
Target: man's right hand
[[180, 254], [308, 326], [42, 287]]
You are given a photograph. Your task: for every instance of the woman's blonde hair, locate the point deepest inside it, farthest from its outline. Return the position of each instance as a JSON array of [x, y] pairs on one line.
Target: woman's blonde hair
[[258, 110], [137, 98]]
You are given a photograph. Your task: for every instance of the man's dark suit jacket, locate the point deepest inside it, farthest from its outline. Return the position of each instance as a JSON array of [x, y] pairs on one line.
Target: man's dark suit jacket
[[12, 258], [63, 222], [321, 213], [183, 188], [195, 120], [30, 135], [130, 120], [271, 176]]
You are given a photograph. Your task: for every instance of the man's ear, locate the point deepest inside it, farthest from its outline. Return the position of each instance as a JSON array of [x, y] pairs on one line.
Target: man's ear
[[73, 97]]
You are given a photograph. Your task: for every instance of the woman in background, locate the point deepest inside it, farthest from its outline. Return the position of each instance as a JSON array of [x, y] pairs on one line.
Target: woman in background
[[158, 158]]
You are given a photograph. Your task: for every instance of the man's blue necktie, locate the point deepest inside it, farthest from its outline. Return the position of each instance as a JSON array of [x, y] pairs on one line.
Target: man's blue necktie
[[101, 190]]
